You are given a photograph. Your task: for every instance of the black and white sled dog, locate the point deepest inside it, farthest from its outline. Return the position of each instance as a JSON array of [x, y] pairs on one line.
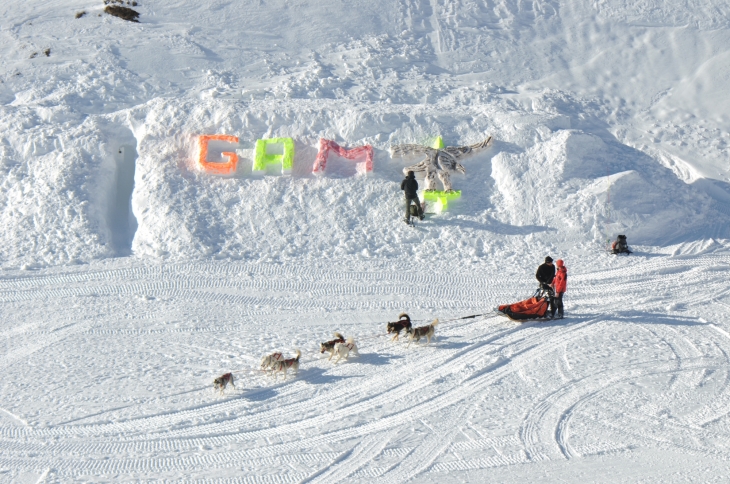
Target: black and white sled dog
[[329, 346], [222, 381], [342, 350], [267, 362], [423, 331], [403, 323], [284, 365]]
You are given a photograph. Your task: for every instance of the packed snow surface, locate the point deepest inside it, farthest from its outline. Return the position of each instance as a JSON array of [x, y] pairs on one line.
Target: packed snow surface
[[131, 278]]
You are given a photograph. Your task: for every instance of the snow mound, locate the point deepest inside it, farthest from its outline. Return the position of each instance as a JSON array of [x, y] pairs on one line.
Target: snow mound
[[570, 181], [68, 193]]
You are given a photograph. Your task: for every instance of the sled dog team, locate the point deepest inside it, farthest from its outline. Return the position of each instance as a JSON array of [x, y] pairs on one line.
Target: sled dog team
[[275, 363]]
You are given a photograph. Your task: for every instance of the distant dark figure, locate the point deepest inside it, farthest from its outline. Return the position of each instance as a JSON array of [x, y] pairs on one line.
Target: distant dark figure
[[620, 246], [410, 186]]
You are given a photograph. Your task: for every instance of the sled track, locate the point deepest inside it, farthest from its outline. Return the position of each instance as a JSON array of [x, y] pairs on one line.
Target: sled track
[[373, 401], [546, 428], [525, 349]]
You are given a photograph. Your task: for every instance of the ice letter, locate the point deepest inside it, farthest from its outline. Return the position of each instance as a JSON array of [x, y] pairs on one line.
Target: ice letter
[[262, 159], [325, 145], [213, 167]]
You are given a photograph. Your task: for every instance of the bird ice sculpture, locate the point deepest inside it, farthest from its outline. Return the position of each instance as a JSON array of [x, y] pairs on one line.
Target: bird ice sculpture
[[438, 162]]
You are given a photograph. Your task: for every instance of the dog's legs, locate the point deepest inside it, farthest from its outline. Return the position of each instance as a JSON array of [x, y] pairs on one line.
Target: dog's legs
[[332, 353]]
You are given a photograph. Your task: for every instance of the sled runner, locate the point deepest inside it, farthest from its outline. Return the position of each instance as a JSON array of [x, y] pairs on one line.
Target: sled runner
[[533, 308]]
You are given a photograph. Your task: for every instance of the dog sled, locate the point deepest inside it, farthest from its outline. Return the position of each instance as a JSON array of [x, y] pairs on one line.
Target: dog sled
[[535, 307]]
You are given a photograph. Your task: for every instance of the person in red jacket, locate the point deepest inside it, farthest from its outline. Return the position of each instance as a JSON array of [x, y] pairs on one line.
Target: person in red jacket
[[559, 285]]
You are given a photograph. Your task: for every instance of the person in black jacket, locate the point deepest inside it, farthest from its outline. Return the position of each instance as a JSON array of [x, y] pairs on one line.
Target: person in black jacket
[[410, 187], [545, 275]]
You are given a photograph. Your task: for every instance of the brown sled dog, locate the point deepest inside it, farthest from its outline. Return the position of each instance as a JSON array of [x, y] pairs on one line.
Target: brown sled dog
[[404, 322], [329, 346], [282, 366], [423, 331], [222, 381]]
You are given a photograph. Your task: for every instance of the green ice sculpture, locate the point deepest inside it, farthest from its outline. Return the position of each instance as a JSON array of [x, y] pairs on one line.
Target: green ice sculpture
[[262, 159], [439, 200]]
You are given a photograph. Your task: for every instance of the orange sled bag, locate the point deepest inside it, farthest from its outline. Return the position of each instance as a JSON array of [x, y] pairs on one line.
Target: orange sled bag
[[532, 308]]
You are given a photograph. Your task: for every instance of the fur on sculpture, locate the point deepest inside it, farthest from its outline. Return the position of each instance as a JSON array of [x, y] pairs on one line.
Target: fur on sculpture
[[438, 162]]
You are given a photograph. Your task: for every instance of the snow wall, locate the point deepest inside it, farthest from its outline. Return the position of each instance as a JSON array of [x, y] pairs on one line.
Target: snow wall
[[546, 181]]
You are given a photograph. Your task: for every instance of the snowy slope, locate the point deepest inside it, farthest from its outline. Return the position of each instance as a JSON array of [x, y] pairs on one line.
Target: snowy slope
[[130, 278], [389, 72]]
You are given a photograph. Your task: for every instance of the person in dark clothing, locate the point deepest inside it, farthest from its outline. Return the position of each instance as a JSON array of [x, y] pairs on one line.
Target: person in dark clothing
[[620, 246], [410, 187], [545, 275]]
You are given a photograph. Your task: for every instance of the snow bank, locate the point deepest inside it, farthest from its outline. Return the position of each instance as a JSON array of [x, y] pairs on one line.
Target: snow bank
[[64, 197], [585, 102], [58, 183], [576, 181]]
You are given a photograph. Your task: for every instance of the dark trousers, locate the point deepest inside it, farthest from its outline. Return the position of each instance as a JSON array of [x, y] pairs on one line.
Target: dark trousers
[[408, 207], [556, 303]]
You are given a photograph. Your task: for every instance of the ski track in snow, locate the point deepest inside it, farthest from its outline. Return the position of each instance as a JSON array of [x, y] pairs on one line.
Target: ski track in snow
[[391, 414]]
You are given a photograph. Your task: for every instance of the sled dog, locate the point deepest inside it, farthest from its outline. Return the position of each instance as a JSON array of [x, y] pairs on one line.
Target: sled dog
[[268, 361], [222, 381], [344, 349], [283, 365], [329, 346], [423, 331], [404, 322]]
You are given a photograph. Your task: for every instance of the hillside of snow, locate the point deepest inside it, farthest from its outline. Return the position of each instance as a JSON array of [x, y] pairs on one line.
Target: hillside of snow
[[583, 102], [131, 277]]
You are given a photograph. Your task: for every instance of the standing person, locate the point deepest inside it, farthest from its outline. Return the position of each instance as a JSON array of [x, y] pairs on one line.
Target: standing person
[[560, 284], [545, 275], [410, 186]]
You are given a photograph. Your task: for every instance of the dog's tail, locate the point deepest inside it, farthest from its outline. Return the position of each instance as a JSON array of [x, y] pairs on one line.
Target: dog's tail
[[350, 340], [435, 322], [339, 336], [299, 353], [404, 315]]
